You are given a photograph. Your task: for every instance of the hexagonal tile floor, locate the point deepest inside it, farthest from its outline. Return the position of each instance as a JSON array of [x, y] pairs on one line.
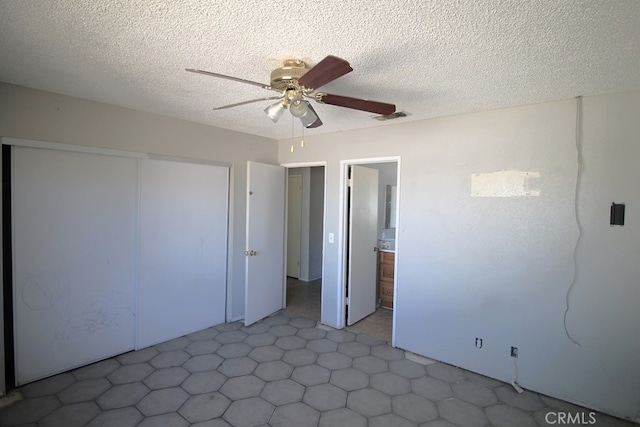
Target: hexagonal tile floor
[[282, 371]]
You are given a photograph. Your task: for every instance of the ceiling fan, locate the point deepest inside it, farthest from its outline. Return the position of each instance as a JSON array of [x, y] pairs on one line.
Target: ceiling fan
[[297, 83]]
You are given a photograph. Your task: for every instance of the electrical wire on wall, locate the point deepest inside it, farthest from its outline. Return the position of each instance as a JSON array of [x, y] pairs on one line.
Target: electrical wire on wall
[[578, 134], [514, 383]]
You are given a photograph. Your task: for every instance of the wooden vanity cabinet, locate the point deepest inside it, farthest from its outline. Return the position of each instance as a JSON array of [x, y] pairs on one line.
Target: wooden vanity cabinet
[[386, 265]]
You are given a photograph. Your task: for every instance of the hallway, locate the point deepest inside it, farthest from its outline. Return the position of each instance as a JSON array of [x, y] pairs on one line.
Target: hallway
[[303, 299]]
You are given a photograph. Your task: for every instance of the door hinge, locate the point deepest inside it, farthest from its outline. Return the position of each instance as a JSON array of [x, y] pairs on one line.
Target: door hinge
[[349, 182], [346, 300]]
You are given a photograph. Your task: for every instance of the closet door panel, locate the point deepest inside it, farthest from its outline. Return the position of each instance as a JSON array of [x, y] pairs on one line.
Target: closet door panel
[[183, 249], [74, 272]]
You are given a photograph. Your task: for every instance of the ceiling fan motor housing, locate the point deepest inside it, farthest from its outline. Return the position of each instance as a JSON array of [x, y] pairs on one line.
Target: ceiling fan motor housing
[[283, 77]]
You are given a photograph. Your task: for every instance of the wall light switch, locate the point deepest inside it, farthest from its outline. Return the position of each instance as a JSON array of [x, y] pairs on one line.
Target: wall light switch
[[331, 237]]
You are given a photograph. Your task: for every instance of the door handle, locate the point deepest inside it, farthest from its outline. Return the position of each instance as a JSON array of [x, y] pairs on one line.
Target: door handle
[[250, 253]]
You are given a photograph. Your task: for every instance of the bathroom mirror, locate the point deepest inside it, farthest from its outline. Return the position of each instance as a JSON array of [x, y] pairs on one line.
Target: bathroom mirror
[[390, 206]]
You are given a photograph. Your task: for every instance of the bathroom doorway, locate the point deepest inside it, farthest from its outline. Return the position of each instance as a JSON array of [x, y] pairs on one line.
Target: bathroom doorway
[[369, 251]]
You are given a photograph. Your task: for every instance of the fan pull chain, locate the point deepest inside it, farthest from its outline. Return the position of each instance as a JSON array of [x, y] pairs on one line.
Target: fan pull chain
[[293, 148]]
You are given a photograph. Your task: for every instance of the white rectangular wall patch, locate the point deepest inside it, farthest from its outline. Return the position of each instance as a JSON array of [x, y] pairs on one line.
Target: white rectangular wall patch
[[511, 183]]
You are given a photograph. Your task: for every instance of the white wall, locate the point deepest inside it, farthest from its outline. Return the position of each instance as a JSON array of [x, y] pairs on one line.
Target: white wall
[[32, 114], [499, 268]]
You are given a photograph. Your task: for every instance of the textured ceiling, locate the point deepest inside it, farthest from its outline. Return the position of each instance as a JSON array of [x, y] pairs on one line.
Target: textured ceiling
[[430, 58]]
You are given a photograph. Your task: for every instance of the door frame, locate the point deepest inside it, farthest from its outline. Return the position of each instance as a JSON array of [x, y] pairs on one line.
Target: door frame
[[343, 237], [288, 166]]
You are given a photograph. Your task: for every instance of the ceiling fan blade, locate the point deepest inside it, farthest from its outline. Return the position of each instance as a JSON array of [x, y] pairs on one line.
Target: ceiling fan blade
[[325, 71], [318, 122], [235, 79], [246, 102], [356, 104]]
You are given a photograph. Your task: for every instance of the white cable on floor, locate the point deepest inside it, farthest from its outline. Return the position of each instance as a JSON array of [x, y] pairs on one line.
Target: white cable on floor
[[514, 383]]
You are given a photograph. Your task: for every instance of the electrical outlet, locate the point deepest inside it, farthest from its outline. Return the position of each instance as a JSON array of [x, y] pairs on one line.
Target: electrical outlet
[[478, 342], [514, 352]]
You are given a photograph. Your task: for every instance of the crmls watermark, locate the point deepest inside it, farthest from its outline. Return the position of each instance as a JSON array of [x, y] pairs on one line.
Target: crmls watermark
[[568, 418]]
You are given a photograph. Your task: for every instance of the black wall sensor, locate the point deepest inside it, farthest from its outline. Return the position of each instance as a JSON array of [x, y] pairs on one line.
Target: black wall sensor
[[617, 214]]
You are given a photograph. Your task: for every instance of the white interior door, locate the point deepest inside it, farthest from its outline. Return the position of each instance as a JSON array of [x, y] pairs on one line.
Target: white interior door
[[363, 236], [264, 286], [294, 225]]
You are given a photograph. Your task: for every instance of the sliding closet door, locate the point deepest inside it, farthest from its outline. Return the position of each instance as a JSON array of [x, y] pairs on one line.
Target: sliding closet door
[[74, 258], [183, 249]]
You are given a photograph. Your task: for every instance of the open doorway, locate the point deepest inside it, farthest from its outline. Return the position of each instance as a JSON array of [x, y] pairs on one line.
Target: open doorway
[[370, 207], [305, 222]]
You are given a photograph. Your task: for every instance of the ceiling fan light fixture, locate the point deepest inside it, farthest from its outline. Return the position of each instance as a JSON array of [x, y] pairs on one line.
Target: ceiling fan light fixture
[[308, 120], [299, 108], [275, 111]]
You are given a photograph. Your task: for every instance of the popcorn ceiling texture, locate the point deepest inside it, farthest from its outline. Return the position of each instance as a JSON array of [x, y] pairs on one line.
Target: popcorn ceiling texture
[[430, 58]]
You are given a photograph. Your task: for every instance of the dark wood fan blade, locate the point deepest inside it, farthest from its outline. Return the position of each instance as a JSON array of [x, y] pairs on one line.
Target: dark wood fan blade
[[246, 102], [235, 79], [357, 104], [325, 71], [318, 122]]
